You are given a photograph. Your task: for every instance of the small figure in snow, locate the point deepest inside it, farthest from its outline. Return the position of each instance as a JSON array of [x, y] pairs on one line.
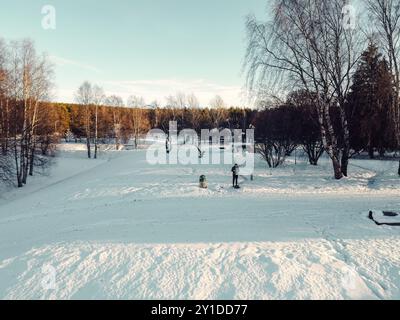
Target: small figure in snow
[[203, 182], [235, 173], [167, 145]]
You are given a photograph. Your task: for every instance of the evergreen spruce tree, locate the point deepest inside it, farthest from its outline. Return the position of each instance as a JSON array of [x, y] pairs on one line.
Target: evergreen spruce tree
[[369, 104]]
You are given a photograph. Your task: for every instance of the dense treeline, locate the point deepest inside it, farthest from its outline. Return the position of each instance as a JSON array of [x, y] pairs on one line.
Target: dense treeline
[[25, 127], [121, 124], [342, 123], [97, 117], [279, 129], [369, 105], [368, 112], [317, 47]]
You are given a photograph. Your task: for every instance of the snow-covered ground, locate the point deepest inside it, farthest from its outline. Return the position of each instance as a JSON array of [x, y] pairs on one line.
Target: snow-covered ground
[[120, 228]]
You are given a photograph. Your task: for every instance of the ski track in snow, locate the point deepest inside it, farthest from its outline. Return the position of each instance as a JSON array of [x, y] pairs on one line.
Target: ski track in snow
[[123, 229]]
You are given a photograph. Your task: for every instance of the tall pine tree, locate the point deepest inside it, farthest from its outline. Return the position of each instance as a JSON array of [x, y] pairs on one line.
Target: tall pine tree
[[369, 104]]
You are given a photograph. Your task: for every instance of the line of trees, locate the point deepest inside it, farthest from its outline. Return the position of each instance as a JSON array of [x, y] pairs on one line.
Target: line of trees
[[284, 128], [280, 129], [100, 118], [340, 97], [310, 46], [25, 128]]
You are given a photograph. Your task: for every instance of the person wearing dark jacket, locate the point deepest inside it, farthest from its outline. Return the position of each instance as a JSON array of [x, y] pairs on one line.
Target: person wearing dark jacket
[[235, 174]]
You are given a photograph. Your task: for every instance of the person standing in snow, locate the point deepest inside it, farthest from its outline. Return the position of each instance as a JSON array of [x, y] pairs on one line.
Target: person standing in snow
[[235, 173]]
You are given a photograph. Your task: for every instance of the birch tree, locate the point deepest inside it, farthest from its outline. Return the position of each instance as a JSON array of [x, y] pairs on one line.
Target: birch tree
[[218, 111], [307, 45], [137, 104], [193, 102], [386, 17], [4, 101], [26, 81], [5, 163], [98, 100], [84, 96], [116, 103]]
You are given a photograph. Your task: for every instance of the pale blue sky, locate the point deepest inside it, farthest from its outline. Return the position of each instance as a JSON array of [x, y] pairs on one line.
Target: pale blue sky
[[144, 47]]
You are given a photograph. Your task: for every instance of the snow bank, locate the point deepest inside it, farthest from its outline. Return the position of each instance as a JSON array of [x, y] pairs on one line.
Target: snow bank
[[307, 269]]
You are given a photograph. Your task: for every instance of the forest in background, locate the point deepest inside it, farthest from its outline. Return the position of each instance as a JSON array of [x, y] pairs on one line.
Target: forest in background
[[341, 85], [30, 129]]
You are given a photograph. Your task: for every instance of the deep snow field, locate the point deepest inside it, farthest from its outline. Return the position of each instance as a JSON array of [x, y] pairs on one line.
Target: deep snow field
[[119, 228]]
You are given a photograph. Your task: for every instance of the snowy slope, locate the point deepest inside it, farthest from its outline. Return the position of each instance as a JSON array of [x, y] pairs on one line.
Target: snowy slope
[[120, 228]]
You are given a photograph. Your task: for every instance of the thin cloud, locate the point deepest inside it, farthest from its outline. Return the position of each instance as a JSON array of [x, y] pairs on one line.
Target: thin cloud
[[152, 90], [159, 89], [59, 61]]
